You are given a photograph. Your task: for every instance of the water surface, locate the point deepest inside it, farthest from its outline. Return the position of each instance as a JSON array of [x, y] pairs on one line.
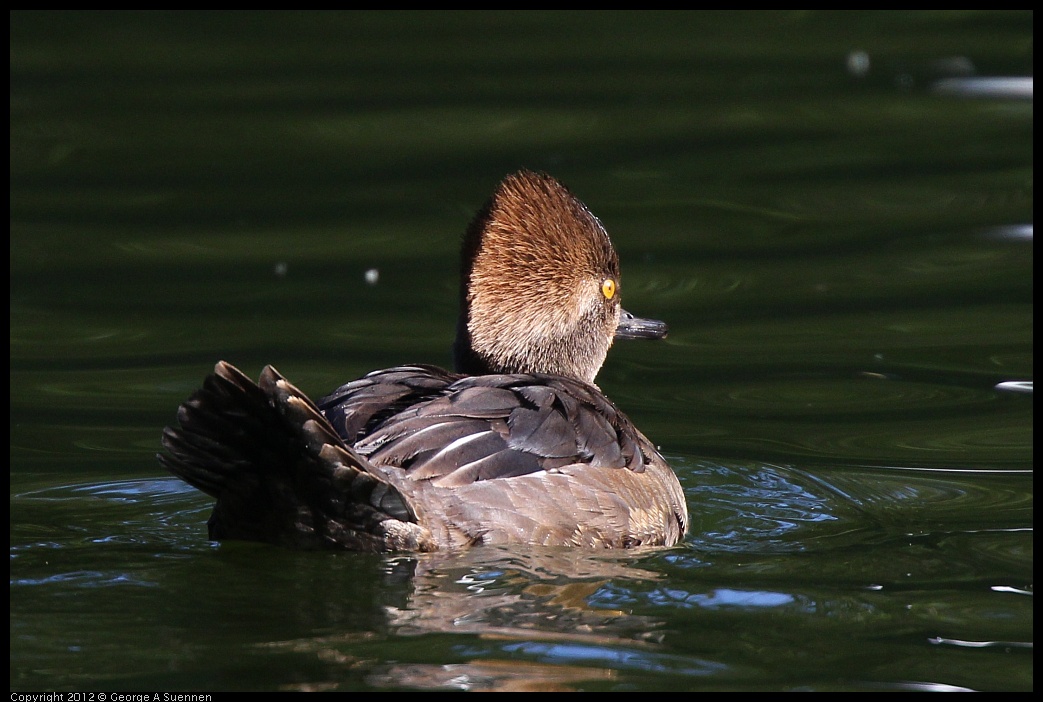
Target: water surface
[[830, 212]]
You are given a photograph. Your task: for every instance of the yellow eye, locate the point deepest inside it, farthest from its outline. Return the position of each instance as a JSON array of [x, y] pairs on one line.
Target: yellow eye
[[608, 288]]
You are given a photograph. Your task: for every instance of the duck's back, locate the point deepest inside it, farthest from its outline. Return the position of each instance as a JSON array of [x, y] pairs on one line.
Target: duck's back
[[530, 458]]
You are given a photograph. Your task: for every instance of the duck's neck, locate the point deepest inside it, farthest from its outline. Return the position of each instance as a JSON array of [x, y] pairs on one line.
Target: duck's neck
[[465, 360]]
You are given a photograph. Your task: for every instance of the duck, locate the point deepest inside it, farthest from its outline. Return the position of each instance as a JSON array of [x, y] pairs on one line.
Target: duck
[[518, 445]]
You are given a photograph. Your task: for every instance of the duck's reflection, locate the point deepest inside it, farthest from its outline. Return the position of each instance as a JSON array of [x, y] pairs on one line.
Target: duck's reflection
[[528, 619], [546, 593]]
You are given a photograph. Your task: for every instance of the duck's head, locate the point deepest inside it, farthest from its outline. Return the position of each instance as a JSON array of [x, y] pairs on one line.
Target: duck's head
[[540, 285]]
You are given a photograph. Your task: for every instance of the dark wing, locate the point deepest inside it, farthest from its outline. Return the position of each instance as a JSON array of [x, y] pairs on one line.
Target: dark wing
[[455, 430], [357, 408]]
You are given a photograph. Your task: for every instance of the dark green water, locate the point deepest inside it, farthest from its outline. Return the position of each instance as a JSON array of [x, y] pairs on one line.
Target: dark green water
[[844, 257]]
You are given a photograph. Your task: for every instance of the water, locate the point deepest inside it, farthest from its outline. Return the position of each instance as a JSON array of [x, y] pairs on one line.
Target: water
[[832, 211]]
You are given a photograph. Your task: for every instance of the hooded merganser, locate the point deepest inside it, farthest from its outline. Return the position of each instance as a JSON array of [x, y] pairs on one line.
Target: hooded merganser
[[519, 446]]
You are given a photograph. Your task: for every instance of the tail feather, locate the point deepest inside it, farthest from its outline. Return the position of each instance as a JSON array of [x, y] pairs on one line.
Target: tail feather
[[280, 472]]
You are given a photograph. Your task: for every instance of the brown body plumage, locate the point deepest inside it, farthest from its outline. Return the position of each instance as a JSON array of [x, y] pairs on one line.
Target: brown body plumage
[[520, 447]]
